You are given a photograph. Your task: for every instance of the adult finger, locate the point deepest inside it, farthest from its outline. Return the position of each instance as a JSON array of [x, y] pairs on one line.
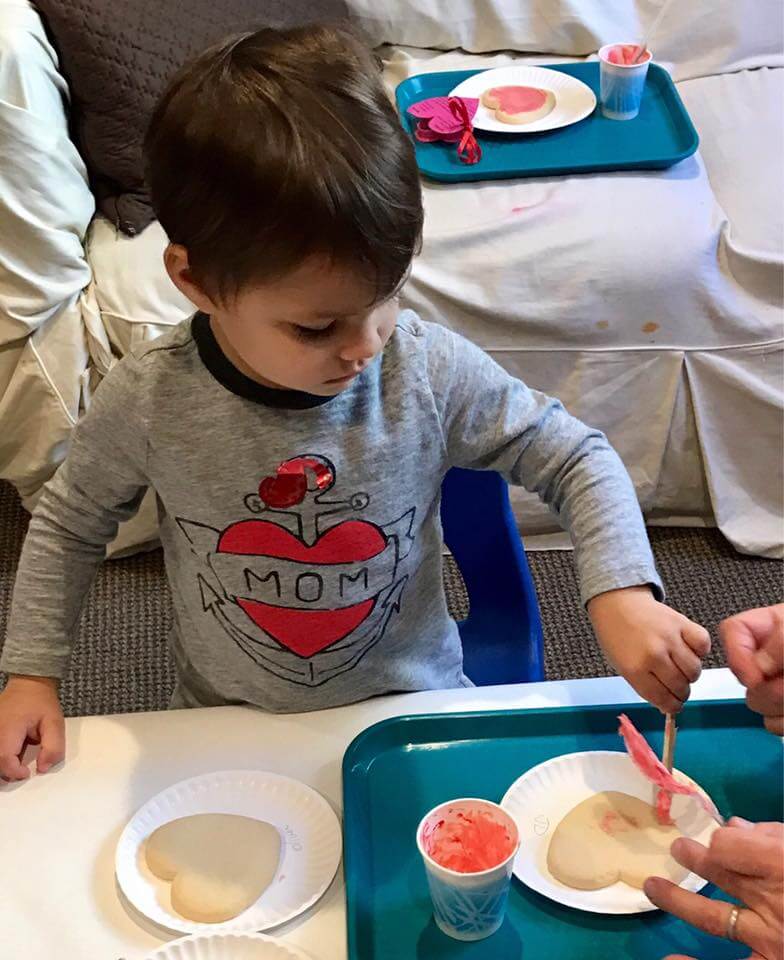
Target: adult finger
[[740, 645], [775, 725], [767, 697], [741, 636], [52, 732], [708, 915], [704, 862], [770, 828], [766, 828], [12, 739], [687, 662], [697, 638], [770, 655], [745, 852], [741, 823]]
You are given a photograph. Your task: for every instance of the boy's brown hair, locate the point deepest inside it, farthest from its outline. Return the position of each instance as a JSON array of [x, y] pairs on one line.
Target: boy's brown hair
[[278, 145]]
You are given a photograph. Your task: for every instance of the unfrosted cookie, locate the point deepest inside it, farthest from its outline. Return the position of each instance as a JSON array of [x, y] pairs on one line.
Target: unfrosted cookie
[[518, 104], [219, 864], [609, 837]]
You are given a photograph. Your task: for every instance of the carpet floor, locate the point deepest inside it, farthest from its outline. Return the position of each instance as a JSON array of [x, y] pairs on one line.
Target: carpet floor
[[121, 662]]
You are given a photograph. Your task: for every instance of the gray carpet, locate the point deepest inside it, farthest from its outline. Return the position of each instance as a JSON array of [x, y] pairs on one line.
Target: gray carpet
[[121, 662]]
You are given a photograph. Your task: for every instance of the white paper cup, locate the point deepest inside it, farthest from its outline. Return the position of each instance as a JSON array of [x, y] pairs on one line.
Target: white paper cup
[[468, 906], [621, 84]]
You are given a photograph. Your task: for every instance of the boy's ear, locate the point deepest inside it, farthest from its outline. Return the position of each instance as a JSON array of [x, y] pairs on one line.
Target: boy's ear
[[175, 259]]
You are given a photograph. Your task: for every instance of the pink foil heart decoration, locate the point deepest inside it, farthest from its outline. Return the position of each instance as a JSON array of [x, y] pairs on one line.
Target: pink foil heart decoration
[[426, 135], [449, 119], [438, 115]]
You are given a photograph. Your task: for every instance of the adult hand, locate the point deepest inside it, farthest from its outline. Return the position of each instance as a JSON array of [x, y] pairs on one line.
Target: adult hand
[[746, 861], [754, 643]]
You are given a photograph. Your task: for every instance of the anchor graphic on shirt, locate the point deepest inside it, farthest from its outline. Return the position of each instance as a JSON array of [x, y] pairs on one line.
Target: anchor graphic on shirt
[[306, 595]]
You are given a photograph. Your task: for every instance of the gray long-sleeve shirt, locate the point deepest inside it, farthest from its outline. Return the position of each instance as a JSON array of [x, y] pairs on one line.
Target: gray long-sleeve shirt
[[303, 546]]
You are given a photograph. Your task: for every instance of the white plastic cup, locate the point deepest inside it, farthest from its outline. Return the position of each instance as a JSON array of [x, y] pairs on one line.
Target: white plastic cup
[[468, 906], [620, 84]]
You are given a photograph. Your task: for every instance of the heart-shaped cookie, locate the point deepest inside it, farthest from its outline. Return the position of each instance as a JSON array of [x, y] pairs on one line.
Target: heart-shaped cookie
[[612, 836], [218, 864], [518, 104]]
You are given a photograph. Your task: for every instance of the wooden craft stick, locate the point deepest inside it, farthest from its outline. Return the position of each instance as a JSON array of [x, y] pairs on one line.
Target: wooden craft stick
[[670, 730]]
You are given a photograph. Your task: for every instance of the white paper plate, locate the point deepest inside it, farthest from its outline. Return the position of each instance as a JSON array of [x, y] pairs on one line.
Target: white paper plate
[[573, 99], [227, 946], [310, 847], [542, 797]]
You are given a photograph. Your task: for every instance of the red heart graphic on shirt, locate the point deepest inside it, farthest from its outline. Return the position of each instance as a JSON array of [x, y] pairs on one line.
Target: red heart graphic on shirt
[[284, 490], [305, 632]]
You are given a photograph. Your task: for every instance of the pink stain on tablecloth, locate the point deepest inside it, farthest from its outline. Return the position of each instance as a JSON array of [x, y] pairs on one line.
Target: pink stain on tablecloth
[[467, 840]]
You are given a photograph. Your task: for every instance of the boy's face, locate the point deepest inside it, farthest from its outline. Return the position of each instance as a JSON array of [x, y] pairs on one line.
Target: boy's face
[[313, 330]]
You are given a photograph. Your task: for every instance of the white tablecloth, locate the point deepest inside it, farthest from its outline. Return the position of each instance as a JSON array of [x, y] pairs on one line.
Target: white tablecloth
[[58, 898]]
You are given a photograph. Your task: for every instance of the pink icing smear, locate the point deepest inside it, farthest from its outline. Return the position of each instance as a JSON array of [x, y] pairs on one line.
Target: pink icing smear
[[651, 767], [613, 823], [467, 840], [518, 99], [624, 54]]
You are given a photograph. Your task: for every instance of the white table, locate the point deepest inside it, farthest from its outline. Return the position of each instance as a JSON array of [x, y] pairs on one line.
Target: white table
[[58, 898]]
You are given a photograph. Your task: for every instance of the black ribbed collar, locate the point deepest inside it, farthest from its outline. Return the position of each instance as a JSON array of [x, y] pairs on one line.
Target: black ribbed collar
[[224, 371]]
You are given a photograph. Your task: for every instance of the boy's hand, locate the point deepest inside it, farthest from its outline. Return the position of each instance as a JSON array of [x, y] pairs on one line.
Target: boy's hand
[[656, 649], [30, 711]]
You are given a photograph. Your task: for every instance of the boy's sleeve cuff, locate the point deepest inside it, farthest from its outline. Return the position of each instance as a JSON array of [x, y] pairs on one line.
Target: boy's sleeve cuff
[[25, 666], [644, 577]]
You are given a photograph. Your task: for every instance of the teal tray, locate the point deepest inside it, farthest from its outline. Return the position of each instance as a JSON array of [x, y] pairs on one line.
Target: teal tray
[[395, 771], [660, 136]]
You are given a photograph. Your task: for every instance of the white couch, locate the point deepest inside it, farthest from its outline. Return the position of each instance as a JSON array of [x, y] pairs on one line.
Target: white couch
[[650, 302]]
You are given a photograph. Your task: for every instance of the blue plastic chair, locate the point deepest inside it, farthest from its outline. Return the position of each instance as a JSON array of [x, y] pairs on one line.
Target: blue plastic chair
[[502, 637]]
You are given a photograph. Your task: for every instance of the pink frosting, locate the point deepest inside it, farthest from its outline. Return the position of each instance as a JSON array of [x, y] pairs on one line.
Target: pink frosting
[[624, 53], [467, 840], [650, 766], [613, 823], [518, 99]]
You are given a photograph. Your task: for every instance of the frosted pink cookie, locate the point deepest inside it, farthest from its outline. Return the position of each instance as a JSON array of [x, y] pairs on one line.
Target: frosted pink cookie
[[517, 104]]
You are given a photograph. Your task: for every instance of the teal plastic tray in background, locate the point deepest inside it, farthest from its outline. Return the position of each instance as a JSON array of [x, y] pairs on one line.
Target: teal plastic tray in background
[[395, 771], [660, 136]]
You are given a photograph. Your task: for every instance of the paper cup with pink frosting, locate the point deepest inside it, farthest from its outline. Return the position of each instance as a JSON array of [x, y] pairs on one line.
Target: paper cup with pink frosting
[[468, 847], [621, 82]]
